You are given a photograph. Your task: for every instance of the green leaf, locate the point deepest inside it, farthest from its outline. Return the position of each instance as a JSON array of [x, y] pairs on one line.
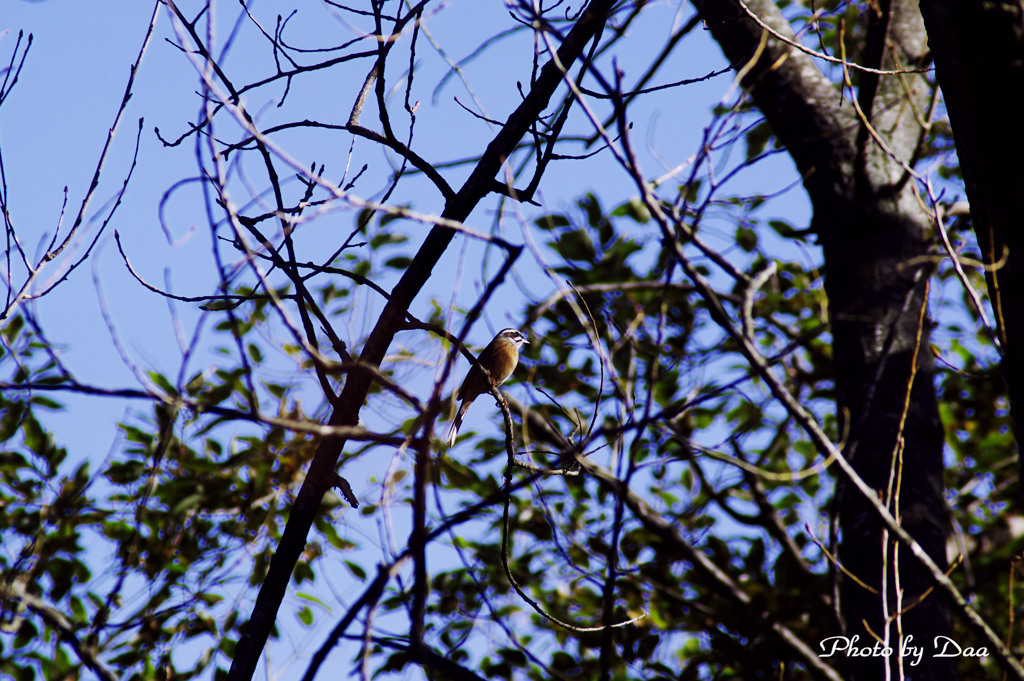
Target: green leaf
[[397, 214], [757, 139], [576, 245], [306, 596], [551, 221], [387, 238], [746, 238], [161, 382], [398, 263], [357, 570], [47, 403], [592, 207], [221, 305], [635, 209], [188, 503], [363, 218]]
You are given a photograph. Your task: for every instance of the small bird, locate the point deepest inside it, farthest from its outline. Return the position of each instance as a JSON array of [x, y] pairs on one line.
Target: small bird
[[500, 358]]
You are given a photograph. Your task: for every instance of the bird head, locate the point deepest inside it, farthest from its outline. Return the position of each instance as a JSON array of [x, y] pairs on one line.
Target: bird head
[[513, 336]]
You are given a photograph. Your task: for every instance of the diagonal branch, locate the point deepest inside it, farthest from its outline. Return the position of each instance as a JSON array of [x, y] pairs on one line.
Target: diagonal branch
[[322, 470]]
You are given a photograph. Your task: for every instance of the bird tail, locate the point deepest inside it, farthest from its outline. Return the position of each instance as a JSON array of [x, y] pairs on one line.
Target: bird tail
[[453, 432]]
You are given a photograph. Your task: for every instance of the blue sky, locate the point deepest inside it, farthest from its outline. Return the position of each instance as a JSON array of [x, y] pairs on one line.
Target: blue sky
[[55, 122]]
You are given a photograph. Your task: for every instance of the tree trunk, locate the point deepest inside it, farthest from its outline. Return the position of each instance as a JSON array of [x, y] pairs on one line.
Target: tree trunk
[[871, 229], [978, 49]]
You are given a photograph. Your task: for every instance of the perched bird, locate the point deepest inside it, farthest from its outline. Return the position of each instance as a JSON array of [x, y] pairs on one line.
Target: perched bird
[[500, 358]]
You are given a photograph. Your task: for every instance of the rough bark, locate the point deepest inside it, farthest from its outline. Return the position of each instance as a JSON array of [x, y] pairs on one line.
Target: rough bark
[[978, 49], [871, 228]]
